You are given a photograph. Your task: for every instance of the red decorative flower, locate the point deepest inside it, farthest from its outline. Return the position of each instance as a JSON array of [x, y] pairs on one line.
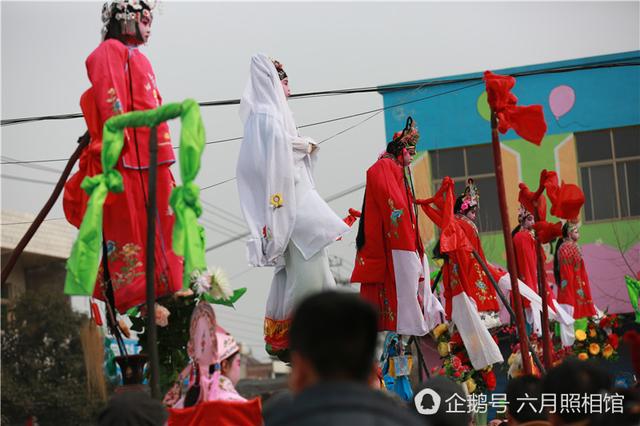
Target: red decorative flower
[[456, 363], [442, 372], [613, 340], [456, 339], [456, 374], [605, 322], [490, 379]]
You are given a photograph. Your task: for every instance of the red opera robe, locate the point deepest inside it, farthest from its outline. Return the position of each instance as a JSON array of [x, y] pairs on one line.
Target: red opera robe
[[574, 289], [391, 266], [478, 286], [122, 80], [524, 244], [464, 286]]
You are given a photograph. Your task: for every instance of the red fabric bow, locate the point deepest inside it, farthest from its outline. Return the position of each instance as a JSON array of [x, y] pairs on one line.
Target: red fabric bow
[[566, 199], [527, 121], [547, 232], [533, 201], [353, 216]]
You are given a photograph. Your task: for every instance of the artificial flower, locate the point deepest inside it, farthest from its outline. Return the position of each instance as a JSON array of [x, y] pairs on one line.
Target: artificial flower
[[441, 328], [489, 379], [594, 349], [592, 332], [276, 200], [607, 351], [581, 335], [613, 340], [162, 316], [470, 384], [443, 349], [220, 288], [583, 356], [201, 281]]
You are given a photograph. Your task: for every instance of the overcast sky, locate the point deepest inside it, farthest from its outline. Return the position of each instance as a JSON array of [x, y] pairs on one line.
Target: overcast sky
[[202, 50]]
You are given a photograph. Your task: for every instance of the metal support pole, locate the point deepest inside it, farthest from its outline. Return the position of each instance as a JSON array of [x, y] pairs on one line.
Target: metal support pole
[[152, 339], [508, 242], [505, 302], [83, 141]]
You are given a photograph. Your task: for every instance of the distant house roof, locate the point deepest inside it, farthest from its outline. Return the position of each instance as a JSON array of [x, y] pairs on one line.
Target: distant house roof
[[54, 238]]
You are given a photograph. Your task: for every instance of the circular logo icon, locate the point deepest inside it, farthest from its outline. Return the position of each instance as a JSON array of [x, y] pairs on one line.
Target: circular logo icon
[[427, 401]]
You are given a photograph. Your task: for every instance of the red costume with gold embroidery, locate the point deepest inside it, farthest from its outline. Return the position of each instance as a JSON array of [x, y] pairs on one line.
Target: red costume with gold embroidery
[[122, 80], [574, 288], [390, 262]]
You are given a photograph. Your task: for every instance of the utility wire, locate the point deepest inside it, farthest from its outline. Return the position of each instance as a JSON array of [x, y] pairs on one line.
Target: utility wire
[[380, 89]]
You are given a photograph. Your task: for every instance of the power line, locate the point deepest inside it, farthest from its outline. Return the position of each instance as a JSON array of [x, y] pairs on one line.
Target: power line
[[332, 120], [23, 179], [358, 90], [30, 221]]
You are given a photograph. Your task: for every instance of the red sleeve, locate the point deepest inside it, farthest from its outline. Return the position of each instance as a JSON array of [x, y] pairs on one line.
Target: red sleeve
[[525, 259], [106, 68], [370, 262]]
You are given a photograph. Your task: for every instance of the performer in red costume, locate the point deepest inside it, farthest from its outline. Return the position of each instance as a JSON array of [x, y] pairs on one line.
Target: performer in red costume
[[574, 290], [122, 80], [471, 299], [524, 244], [390, 263]]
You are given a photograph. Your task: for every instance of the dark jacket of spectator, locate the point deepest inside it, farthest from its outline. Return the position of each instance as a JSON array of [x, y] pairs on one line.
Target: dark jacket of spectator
[[338, 404]]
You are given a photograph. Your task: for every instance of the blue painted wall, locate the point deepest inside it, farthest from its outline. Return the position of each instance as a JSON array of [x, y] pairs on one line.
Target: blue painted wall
[[605, 98]]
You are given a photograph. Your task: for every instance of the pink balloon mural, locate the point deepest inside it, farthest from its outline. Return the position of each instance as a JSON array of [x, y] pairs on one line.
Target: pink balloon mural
[[561, 100]]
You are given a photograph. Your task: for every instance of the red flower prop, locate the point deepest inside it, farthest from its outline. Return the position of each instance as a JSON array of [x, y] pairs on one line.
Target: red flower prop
[[490, 379], [527, 121], [456, 339], [613, 340]]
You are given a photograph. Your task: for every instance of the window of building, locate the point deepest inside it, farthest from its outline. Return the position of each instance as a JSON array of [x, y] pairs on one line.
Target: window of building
[[609, 163], [474, 162]]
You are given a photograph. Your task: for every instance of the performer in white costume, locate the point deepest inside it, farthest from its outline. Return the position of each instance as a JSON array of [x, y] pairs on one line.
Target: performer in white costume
[[290, 224]]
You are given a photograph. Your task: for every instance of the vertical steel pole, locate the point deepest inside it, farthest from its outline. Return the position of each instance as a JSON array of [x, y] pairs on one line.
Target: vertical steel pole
[[152, 340], [508, 242]]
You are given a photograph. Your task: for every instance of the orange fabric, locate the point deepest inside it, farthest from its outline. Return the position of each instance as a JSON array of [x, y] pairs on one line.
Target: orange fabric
[[218, 413]]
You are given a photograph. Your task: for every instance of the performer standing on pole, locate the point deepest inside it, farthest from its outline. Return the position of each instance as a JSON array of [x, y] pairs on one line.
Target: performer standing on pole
[[390, 264], [290, 224], [524, 244], [574, 290], [471, 299], [122, 80]]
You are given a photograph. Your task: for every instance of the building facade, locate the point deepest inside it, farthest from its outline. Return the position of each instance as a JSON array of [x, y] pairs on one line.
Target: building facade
[[592, 110]]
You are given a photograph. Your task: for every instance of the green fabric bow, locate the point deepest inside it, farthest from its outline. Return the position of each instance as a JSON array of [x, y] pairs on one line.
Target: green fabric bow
[[82, 265], [633, 287]]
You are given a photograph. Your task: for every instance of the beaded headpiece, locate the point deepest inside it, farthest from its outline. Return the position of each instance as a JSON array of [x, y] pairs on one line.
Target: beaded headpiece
[[127, 12], [280, 68], [470, 196], [409, 136], [523, 213]]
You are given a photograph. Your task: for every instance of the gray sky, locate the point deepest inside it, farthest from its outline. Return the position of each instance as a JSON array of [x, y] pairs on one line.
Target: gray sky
[[202, 50]]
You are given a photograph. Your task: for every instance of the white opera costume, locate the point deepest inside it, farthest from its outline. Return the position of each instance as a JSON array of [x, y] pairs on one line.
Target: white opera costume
[[290, 224]]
